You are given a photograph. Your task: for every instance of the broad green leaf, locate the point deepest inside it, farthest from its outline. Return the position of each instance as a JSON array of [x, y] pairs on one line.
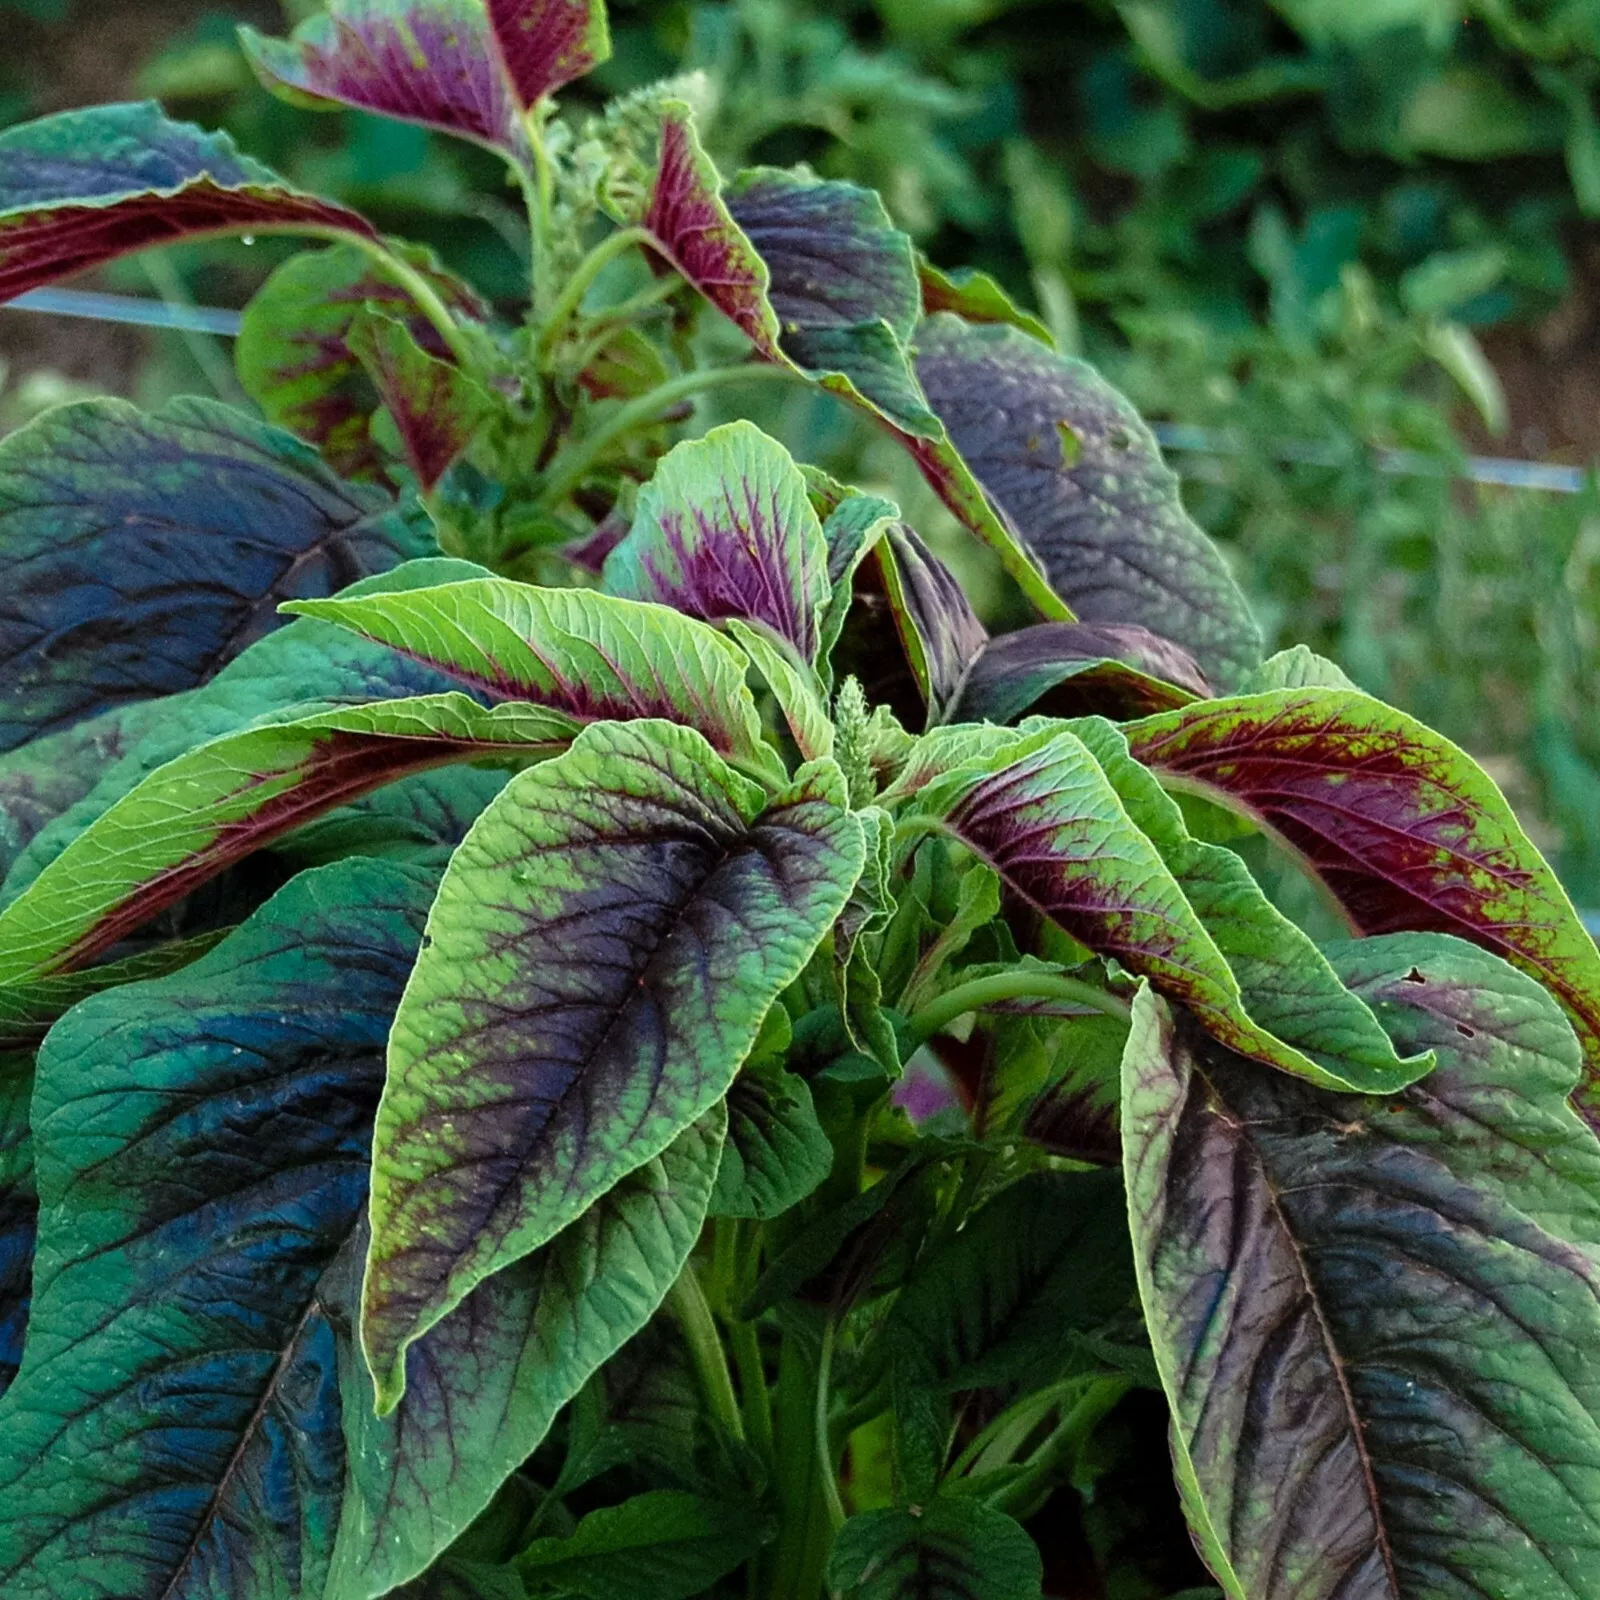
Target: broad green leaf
[[975, 297], [725, 529], [1081, 482], [18, 1208], [207, 809], [1404, 828], [1375, 1319], [1043, 814], [294, 357], [602, 951], [194, 1417], [424, 61], [1075, 668], [776, 1152], [1287, 984], [82, 187], [545, 44], [434, 406], [665, 1544], [793, 684], [590, 656], [144, 551], [948, 1549]]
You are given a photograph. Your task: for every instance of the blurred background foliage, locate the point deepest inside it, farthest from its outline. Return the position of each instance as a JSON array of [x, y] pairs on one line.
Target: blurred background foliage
[[1324, 229]]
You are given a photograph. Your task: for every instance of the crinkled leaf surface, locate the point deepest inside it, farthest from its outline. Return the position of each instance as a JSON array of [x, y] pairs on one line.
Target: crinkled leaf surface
[[777, 1152], [1080, 479], [592, 657], [603, 949], [725, 529], [294, 357], [83, 187], [543, 44], [1074, 668], [143, 551], [207, 809], [1044, 815], [1405, 829], [18, 1208], [425, 61], [948, 1549], [1376, 1319]]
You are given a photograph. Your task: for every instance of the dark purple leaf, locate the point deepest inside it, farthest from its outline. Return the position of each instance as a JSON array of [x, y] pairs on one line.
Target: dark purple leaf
[[543, 44]]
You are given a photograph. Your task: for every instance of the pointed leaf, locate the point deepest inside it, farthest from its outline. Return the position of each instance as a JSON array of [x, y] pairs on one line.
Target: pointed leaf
[[946, 1550], [1296, 668], [1375, 1319], [601, 954], [590, 656], [214, 806], [1079, 477], [1074, 668], [424, 61], [725, 529], [975, 297], [939, 631], [777, 1152], [543, 44], [19, 1208], [1404, 828], [293, 353], [1044, 815], [142, 552], [82, 187]]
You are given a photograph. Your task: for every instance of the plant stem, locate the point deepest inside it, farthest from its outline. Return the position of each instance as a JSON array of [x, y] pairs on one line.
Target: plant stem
[[827, 1476], [793, 1566], [1026, 1493], [982, 992], [1014, 1424], [746, 1345], [578, 285], [705, 1350], [570, 469]]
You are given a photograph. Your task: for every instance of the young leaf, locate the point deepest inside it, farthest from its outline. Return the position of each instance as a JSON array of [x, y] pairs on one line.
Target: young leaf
[[725, 529], [1079, 477], [794, 686], [665, 1544], [590, 656], [142, 551], [293, 353], [82, 187], [939, 631], [19, 1208], [1044, 815], [435, 406], [204, 811], [544, 44], [1404, 828], [1374, 1319], [424, 61], [852, 527], [949, 1549], [600, 956], [777, 1152], [1296, 668], [1076, 668]]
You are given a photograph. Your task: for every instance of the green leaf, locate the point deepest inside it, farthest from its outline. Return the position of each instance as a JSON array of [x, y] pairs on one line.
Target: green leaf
[[83, 187], [145, 551], [853, 524], [601, 954], [1404, 828], [776, 1152], [975, 297], [725, 529], [214, 806], [665, 1544], [590, 656], [1374, 1319], [1296, 668], [794, 686], [949, 1549]]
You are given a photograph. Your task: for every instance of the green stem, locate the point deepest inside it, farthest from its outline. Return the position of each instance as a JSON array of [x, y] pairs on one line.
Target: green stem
[[1006, 1434], [578, 285], [827, 1476], [705, 1350], [792, 1567], [570, 469], [1028, 1491], [746, 1344], [1022, 984]]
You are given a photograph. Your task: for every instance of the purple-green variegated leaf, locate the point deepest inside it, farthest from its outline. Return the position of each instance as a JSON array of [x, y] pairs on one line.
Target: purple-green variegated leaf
[[1080, 480], [1069, 669], [142, 552], [939, 631], [435, 407], [603, 949], [425, 61], [1375, 1319], [975, 297], [293, 354], [725, 529], [592, 657], [544, 44], [206, 810], [1041, 811], [1404, 828], [19, 1207], [853, 524], [83, 187]]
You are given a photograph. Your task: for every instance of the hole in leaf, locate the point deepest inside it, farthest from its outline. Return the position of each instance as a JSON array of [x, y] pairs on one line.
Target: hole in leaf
[[1413, 976], [1465, 1031]]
